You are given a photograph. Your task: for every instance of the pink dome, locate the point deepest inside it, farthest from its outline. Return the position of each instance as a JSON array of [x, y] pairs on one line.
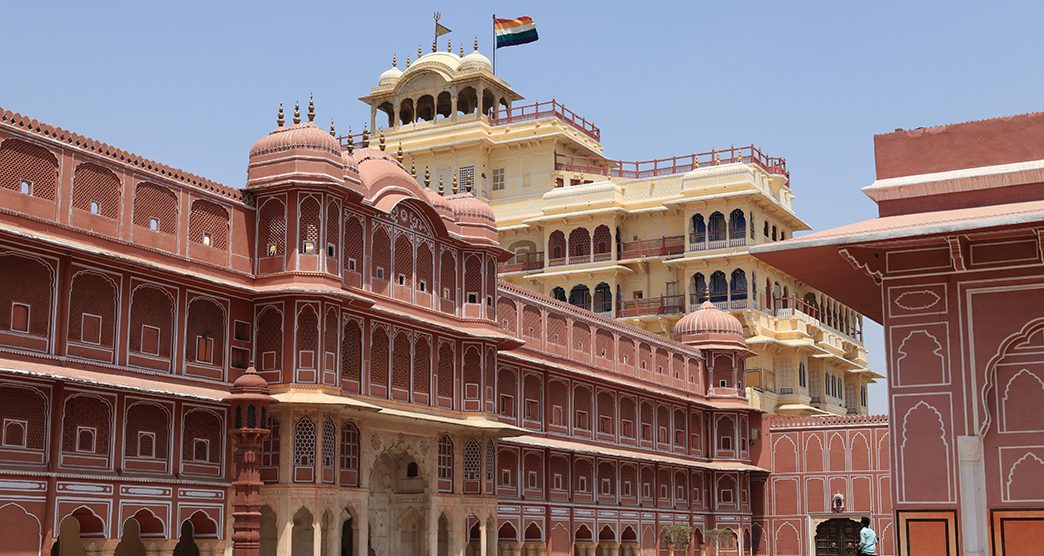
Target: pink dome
[[304, 136], [440, 203], [466, 207], [710, 327]]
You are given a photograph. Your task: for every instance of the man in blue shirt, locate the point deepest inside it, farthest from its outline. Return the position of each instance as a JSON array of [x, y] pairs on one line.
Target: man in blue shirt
[[867, 539]]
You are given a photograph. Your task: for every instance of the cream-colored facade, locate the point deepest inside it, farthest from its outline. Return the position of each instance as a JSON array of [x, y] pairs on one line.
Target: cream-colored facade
[[643, 241]]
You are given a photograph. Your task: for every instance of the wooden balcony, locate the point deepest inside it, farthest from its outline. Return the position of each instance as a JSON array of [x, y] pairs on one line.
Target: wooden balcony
[[659, 247], [663, 305]]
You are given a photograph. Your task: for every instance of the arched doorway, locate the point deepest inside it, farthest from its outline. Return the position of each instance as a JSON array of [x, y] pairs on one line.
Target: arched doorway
[[302, 536], [187, 541], [19, 529], [397, 504], [348, 537], [837, 537], [269, 532], [68, 541], [443, 536], [130, 541]]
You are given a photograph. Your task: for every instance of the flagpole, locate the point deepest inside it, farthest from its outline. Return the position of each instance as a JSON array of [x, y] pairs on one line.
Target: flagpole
[[494, 44]]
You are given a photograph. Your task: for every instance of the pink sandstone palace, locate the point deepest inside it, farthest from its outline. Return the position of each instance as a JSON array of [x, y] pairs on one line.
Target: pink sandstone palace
[[324, 362]]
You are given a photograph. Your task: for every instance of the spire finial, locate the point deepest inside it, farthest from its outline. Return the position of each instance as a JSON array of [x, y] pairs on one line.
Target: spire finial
[[427, 177], [413, 168], [311, 108], [395, 61], [455, 188], [297, 112], [462, 51], [398, 153], [279, 118], [419, 52], [449, 45], [474, 45], [407, 60], [332, 132], [365, 137], [434, 45], [442, 187], [381, 143], [351, 142]]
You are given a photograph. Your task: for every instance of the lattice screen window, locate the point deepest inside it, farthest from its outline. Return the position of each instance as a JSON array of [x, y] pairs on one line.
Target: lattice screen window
[[498, 179], [29, 169], [270, 445], [466, 178], [491, 462], [472, 461], [349, 446], [304, 443], [329, 443]]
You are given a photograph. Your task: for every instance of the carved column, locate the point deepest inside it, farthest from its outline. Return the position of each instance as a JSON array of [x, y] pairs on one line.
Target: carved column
[[249, 402]]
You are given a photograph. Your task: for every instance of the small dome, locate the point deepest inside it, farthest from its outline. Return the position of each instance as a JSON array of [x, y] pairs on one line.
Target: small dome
[[389, 77], [466, 207], [475, 60], [306, 136], [709, 326], [448, 60], [250, 380], [439, 202]]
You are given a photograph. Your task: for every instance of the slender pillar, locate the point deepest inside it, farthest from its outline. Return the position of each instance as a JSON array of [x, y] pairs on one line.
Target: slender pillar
[[317, 534], [249, 401]]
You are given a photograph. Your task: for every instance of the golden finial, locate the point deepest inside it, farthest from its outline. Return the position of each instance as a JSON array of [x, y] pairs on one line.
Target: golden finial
[[434, 45], [462, 51], [398, 154], [413, 168], [381, 143], [365, 138], [297, 112], [311, 108], [449, 46], [717, 158], [474, 45], [695, 162], [351, 142], [407, 60], [442, 187], [395, 61], [455, 188], [427, 177], [332, 132], [419, 52], [279, 119]]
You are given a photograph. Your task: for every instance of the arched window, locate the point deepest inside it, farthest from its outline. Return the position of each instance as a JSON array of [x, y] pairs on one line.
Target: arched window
[[558, 293], [271, 229], [351, 355], [353, 244], [205, 333], [28, 168], [349, 454], [719, 287], [802, 375], [603, 243], [445, 464], [716, 227], [737, 225], [699, 288], [155, 208], [491, 466], [208, 224], [556, 248], [96, 190], [381, 255], [603, 298], [304, 450], [579, 245], [738, 284], [580, 296], [699, 230]]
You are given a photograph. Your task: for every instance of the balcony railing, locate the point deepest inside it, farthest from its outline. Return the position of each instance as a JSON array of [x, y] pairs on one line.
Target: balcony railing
[[523, 261], [720, 300], [580, 258], [785, 307], [670, 166], [667, 245], [764, 379], [664, 305], [551, 109]]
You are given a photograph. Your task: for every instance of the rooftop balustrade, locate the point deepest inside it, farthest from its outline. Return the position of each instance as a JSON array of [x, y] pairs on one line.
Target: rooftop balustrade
[[670, 166]]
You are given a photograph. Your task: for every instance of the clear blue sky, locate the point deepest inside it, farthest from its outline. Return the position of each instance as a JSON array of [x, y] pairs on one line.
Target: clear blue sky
[[194, 84]]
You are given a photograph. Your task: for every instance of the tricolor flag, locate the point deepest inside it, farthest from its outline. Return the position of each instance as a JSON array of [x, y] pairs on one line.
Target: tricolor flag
[[514, 31]]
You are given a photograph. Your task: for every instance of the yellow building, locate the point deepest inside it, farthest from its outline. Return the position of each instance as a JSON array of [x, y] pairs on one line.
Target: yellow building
[[643, 241]]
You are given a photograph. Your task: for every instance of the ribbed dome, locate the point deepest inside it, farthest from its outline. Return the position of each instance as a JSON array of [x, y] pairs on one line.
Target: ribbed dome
[[466, 207], [446, 59], [475, 60], [708, 319], [389, 77], [304, 136], [439, 202]]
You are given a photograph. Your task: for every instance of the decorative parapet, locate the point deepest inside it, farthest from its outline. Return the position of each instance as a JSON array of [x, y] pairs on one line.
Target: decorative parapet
[[775, 422]]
